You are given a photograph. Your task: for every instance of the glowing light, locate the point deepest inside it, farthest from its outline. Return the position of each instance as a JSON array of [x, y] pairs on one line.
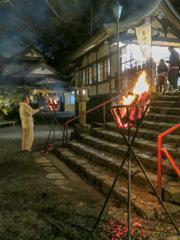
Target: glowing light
[[128, 100], [139, 95], [141, 85], [53, 104]]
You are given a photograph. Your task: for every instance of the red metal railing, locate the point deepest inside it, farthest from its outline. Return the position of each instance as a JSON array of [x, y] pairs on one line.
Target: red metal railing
[[103, 105], [65, 137], [160, 151]]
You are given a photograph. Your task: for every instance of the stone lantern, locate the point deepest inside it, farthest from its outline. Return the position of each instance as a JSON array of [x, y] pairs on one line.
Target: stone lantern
[[82, 98]]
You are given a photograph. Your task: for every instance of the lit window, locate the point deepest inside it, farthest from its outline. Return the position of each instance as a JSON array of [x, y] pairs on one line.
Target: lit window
[[84, 76], [72, 99], [77, 92], [100, 72], [90, 75], [68, 99], [35, 98], [103, 70], [109, 68], [84, 92]]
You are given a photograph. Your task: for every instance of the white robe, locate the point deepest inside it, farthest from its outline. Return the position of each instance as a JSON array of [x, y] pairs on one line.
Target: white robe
[[27, 121]]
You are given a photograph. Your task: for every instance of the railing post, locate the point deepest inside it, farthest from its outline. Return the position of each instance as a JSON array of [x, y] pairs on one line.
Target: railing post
[[164, 83], [159, 185], [66, 135], [104, 113]]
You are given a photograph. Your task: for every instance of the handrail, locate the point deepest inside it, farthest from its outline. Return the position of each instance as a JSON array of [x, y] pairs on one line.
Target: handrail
[[162, 74], [65, 135], [160, 150], [90, 110]]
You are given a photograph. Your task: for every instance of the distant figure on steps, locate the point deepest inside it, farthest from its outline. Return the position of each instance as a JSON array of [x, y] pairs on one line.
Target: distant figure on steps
[[162, 67], [173, 68]]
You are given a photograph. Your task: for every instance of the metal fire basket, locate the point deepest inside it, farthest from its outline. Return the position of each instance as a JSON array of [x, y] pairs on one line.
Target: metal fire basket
[[127, 116], [53, 107]]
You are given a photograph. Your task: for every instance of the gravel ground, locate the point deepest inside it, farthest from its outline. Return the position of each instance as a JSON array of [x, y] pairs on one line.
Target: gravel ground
[[33, 207]]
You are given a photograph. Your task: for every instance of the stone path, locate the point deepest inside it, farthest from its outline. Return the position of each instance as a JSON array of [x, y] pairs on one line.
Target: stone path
[[54, 173], [65, 179]]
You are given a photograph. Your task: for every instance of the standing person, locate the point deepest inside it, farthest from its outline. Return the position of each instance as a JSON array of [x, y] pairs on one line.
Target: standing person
[[27, 121], [162, 67], [173, 68]]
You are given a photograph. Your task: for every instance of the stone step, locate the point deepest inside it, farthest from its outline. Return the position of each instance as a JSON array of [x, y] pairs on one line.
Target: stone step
[[112, 162], [151, 135], [163, 118], [168, 104], [147, 144], [100, 157], [120, 149], [159, 126], [176, 93], [165, 98], [171, 192], [165, 110], [103, 179], [172, 147]]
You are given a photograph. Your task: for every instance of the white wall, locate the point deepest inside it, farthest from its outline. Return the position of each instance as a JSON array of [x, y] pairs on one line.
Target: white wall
[[40, 70]]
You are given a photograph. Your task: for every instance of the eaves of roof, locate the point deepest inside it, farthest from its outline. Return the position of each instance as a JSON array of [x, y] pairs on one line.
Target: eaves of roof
[[29, 69], [40, 64], [132, 21], [23, 53]]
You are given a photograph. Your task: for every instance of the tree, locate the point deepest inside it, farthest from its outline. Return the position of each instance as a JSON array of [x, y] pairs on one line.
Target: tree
[[57, 27], [10, 102]]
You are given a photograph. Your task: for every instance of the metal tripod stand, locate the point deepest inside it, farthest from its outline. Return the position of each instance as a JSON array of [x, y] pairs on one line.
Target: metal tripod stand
[[127, 157], [53, 128]]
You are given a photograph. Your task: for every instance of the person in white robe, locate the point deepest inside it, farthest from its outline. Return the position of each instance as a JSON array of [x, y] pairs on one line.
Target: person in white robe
[[27, 121]]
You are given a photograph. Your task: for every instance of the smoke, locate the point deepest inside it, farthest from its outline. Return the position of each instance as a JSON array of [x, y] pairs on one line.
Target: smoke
[[19, 24]]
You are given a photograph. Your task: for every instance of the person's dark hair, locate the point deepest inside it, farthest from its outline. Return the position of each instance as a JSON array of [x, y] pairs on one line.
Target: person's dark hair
[[161, 62], [170, 48], [24, 98]]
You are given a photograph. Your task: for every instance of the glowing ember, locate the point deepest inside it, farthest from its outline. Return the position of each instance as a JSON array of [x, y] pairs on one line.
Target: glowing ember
[[140, 229], [53, 104], [139, 95]]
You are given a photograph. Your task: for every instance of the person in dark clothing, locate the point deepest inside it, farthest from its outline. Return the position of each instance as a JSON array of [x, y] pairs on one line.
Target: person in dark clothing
[[173, 68], [162, 67]]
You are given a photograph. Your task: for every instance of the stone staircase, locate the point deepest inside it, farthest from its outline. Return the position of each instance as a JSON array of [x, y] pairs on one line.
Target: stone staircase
[[97, 156]]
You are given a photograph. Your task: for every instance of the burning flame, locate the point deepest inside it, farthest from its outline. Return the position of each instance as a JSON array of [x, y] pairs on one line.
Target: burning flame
[[139, 95], [140, 87], [53, 104]]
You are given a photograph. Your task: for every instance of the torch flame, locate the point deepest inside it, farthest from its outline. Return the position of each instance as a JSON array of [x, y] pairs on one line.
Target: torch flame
[[140, 87], [128, 100], [53, 104], [139, 95]]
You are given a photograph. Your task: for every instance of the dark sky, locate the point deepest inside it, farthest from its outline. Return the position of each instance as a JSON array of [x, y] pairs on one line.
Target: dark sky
[[18, 21], [21, 20]]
